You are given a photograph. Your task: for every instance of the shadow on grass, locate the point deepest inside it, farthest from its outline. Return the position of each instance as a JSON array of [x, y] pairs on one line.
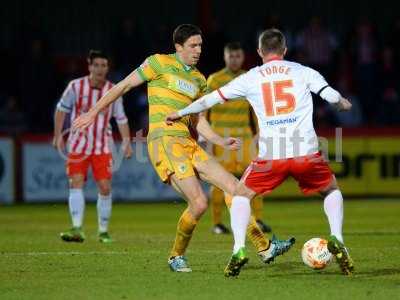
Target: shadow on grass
[[285, 269], [373, 233]]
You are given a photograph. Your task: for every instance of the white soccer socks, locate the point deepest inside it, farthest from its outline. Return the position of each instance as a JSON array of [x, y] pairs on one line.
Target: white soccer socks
[[104, 204], [333, 206], [240, 216], [76, 203]]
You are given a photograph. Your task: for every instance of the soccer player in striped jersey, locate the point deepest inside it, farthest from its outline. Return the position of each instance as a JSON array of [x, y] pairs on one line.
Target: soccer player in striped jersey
[[91, 147], [174, 82], [232, 119]]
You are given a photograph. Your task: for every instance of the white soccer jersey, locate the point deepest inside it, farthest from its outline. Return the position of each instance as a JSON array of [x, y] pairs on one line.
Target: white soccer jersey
[[77, 99], [280, 93]]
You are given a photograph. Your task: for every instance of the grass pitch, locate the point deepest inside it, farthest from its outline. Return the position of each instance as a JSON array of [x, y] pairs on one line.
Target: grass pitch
[[36, 264]]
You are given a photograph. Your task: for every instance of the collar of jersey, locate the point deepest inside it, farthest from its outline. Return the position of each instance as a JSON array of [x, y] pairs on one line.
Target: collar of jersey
[[274, 58], [185, 67]]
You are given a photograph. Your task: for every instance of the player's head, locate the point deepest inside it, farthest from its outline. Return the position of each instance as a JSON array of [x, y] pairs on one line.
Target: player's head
[[187, 40], [98, 64], [271, 42], [233, 56]]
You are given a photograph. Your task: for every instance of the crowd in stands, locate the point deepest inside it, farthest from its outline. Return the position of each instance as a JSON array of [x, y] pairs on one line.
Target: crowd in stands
[[362, 63]]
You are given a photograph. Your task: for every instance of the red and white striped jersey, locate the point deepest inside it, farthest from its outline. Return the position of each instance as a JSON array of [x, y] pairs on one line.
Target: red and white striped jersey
[[76, 100]]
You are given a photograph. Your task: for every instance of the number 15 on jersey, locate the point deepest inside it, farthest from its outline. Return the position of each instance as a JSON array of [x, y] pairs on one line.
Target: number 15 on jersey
[[277, 97]]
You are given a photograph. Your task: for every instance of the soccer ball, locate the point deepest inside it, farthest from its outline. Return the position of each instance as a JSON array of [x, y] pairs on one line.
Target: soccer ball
[[315, 253]]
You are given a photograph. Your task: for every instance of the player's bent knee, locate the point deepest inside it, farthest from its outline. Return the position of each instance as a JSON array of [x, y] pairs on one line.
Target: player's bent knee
[[244, 191], [199, 206], [232, 187]]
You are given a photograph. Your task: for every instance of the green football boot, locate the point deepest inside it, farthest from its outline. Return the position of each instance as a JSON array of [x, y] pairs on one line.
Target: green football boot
[[104, 237], [237, 261], [341, 254], [75, 234]]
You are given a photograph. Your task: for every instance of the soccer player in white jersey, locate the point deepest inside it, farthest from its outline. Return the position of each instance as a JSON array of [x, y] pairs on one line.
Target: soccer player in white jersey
[[90, 148], [280, 93]]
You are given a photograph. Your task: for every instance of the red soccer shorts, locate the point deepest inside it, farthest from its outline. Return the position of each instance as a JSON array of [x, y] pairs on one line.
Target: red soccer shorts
[[79, 164], [311, 172]]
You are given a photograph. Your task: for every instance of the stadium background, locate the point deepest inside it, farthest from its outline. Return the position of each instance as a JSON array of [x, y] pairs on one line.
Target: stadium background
[[43, 45]]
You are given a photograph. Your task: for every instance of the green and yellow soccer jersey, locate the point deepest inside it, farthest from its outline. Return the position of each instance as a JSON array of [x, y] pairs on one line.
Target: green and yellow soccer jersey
[[171, 86], [232, 118]]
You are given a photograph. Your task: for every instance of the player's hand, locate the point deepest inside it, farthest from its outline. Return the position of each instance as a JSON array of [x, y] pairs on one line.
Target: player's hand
[[232, 143], [127, 148], [58, 142], [171, 118], [83, 121], [343, 105]]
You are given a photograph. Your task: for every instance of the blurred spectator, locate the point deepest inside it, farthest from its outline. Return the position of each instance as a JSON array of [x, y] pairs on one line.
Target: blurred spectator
[[213, 42], [315, 46], [162, 42], [365, 55], [37, 84], [389, 104], [12, 118], [271, 21], [394, 41], [129, 47], [360, 69]]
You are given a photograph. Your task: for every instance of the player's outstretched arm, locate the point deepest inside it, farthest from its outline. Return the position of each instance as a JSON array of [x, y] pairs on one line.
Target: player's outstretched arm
[[205, 130], [197, 106], [122, 87]]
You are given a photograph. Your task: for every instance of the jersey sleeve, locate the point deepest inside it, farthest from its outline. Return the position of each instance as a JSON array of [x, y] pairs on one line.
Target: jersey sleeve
[[315, 81], [67, 100], [235, 89], [318, 85], [118, 112], [150, 68]]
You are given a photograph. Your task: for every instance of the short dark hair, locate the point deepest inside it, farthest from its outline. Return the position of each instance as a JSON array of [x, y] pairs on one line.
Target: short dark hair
[[232, 46], [183, 32], [272, 41], [96, 54]]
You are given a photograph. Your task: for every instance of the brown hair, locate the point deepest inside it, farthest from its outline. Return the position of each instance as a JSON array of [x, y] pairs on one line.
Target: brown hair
[[183, 32], [272, 41], [96, 54]]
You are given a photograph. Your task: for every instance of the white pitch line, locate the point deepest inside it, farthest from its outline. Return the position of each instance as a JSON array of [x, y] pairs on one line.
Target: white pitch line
[[62, 253]]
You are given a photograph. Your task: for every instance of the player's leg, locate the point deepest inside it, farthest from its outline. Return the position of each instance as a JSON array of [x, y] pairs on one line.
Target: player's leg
[[77, 166], [192, 191], [217, 196], [333, 207], [104, 208], [212, 172], [240, 212], [258, 179], [244, 159], [314, 175], [171, 158], [102, 172]]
